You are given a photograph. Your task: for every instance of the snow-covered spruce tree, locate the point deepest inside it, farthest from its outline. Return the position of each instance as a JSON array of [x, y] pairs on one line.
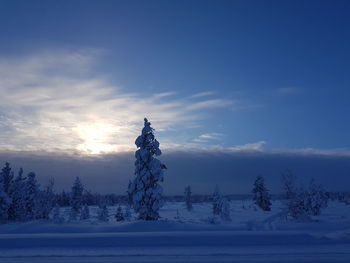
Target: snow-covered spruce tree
[[145, 189], [217, 201], [119, 216], [31, 193], [44, 201], [289, 187], [76, 199], [188, 198], [6, 177], [4, 204], [261, 195], [17, 190], [85, 213]]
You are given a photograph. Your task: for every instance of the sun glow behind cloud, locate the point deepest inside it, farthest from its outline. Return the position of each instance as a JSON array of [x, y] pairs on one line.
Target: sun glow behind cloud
[[55, 102], [96, 138]]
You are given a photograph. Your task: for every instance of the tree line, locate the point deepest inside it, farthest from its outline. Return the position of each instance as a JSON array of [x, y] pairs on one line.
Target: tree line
[[23, 199]]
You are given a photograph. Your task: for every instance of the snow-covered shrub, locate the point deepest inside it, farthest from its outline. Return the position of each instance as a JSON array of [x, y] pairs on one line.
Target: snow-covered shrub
[[73, 214], [213, 219], [6, 177], [17, 190], [31, 194], [261, 195], [188, 198], [119, 216], [316, 199], [85, 213], [127, 214], [302, 203], [145, 189], [103, 213], [44, 202], [4, 204], [77, 195], [221, 207], [288, 184], [129, 193], [217, 201], [226, 211], [296, 206], [56, 217]]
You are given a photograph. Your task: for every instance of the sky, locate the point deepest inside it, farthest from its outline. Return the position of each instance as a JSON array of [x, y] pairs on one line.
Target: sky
[[259, 79]]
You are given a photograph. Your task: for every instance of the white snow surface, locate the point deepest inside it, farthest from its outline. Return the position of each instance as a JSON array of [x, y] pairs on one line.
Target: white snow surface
[[183, 236]]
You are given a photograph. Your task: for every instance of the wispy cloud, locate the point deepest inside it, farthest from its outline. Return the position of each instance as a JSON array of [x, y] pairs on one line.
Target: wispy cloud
[[257, 146], [208, 137], [203, 94], [213, 103], [54, 101], [164, 94], [287, 91]]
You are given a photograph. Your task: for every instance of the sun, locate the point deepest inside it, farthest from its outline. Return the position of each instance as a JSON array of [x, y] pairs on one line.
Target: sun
[[96, 138]]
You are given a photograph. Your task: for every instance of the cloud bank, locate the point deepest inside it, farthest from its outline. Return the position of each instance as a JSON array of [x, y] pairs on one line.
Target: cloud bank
[[234, 172]]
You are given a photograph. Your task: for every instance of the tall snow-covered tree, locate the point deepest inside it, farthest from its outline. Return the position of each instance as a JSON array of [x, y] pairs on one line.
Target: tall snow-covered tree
[[188, 198], [261, 195], [76, 199], [145, 189], [217, 201], [31, 193], [6, 177], [4, 204]]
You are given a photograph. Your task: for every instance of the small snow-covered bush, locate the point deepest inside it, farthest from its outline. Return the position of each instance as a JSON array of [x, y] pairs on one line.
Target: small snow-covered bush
[[217, 201], [77, 195], [226, 211], [119, 216], [85, 213], [103, 213], [56, 217], [188, 198], [127, 215], [4, 204], [302, 203], [261, 195]]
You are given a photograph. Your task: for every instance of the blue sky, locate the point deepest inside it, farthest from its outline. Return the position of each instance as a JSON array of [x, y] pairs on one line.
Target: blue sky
[[279, 68], [77, 77]]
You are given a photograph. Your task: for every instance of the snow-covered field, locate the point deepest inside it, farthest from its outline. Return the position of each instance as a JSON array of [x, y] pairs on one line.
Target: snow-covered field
[[182, 236]]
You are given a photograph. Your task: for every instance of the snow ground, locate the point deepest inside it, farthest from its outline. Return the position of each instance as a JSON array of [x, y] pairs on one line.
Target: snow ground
[[182, 236]]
